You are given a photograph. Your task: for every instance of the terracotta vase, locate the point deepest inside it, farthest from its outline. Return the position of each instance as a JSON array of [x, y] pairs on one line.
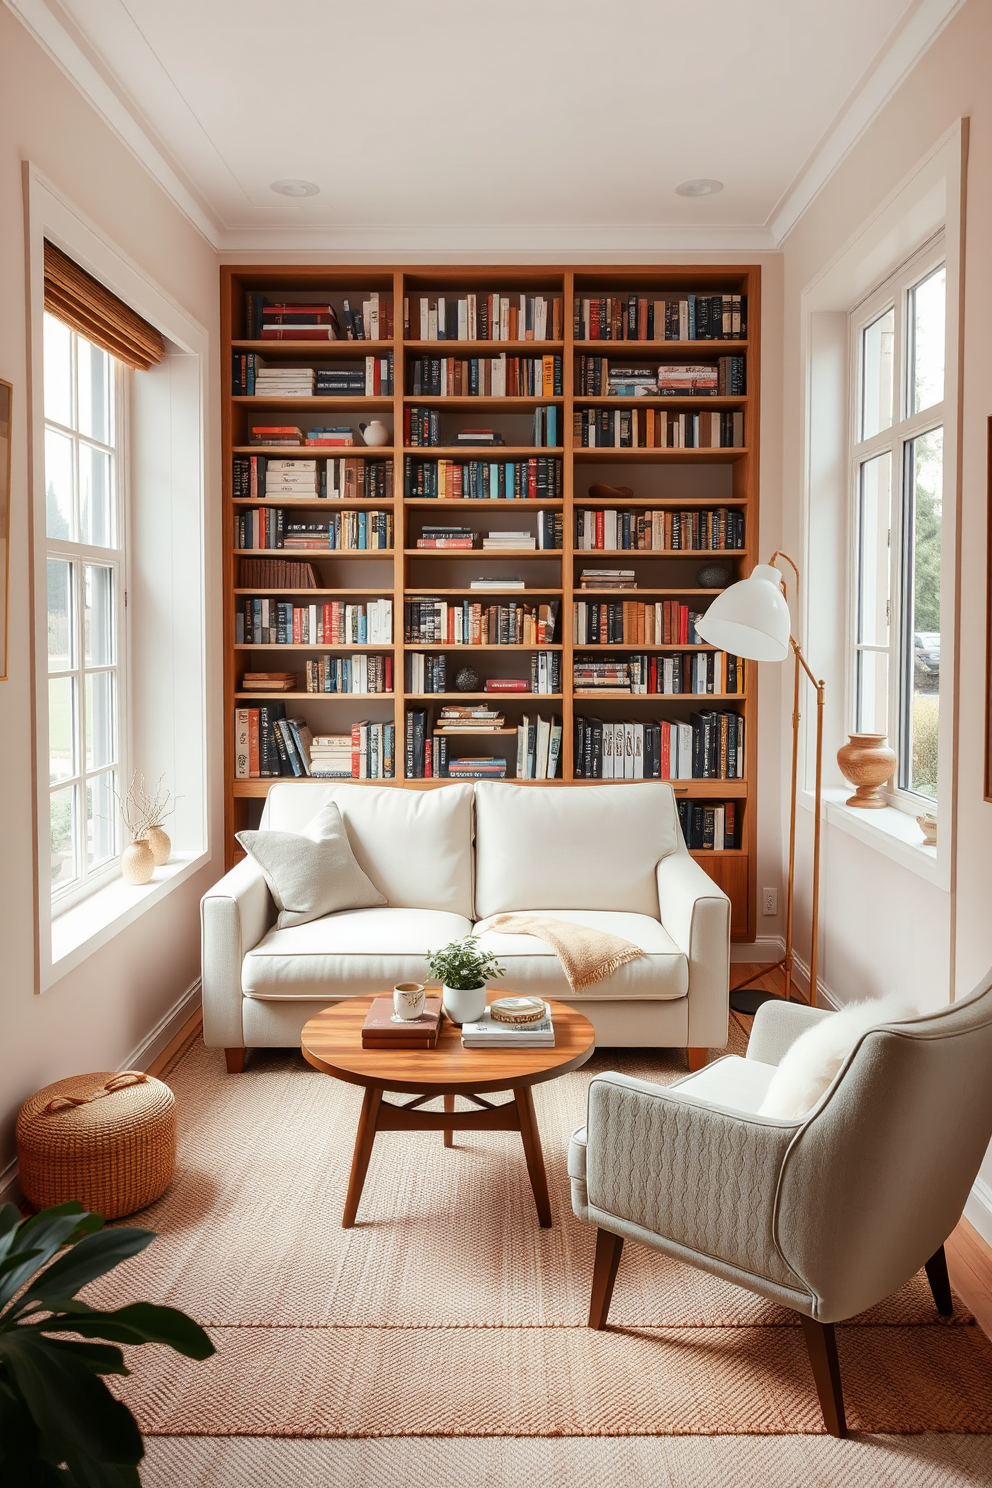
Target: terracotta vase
[[137, 862], [867, 762], [161, 845]]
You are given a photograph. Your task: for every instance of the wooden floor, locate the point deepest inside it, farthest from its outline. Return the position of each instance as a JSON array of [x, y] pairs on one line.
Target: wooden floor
[[969, 1259]]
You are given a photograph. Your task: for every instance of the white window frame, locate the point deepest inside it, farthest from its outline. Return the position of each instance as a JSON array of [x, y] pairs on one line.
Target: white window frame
[[896, 441], [87, 880]]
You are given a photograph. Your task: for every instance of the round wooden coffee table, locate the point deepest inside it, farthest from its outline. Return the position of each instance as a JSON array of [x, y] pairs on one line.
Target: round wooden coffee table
[[332, 1042]]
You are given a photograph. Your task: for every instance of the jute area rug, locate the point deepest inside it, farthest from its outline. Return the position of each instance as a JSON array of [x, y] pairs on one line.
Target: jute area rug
[[448, 1313]]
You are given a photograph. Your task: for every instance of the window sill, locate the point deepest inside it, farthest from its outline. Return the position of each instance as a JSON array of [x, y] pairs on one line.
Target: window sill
[[891, 832], [83, 929]]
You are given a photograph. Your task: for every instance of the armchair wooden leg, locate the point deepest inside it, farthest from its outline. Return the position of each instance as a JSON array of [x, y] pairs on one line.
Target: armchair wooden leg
[[940, 1283], [821, 1345], [697, 1059], [609, 1248], [235, 1060]]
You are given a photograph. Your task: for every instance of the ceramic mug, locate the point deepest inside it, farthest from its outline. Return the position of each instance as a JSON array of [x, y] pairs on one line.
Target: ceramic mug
[[408, 1001]]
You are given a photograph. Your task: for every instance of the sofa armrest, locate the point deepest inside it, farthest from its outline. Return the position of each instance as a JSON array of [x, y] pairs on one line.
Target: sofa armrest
[[696, 914], [234, 915], [776, 1027], [694, 1175]]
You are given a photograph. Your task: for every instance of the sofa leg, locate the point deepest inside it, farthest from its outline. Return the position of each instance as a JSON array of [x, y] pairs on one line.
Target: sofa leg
[[697, 1059], [821, 1345], [609, 1248], [235, 1060], [940, 1282]]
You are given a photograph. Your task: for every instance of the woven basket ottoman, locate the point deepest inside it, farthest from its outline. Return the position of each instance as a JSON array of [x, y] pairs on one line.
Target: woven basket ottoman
[[108, 1140]]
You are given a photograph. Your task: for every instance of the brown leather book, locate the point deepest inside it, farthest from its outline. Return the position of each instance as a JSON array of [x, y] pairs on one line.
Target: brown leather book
[[394, 1045], [379, 1024]]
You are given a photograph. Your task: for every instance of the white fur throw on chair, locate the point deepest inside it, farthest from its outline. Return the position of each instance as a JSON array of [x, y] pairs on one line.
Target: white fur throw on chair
[[808, 1068]]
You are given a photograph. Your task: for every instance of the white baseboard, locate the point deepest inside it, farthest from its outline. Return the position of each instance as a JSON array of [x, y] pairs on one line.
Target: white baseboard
[[765, 948], [978, 1209], [143, 1054]]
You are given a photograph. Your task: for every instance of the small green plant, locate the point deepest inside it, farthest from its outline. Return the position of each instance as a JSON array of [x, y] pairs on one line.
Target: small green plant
[[462, 966], [60, 1426]]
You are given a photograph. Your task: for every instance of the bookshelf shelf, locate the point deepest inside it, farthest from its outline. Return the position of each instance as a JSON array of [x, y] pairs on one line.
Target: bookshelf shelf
[[685, 479]]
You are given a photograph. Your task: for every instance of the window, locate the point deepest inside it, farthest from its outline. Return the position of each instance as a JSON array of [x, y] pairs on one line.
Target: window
[[898, 343], [84, 394]]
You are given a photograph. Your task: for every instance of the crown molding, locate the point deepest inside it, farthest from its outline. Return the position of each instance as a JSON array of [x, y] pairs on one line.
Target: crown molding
[[69, 57], [913, 39], [535, 242]]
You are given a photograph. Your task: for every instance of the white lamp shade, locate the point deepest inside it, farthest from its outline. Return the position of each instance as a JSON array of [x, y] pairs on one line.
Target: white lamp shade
[[751, 618]]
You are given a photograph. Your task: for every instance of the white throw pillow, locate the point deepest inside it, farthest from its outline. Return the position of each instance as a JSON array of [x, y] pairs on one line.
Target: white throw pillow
[[312, 874], [810, 1065]]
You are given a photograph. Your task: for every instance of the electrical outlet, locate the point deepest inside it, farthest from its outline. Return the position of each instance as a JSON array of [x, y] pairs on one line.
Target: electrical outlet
[[769, 901]]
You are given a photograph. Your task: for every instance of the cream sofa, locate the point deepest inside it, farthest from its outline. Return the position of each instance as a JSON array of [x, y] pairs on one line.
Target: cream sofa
[[611, 856]]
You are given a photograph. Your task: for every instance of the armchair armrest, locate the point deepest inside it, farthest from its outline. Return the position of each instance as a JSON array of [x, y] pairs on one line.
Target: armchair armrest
[[776, 1027], [703, 1179], [696, 914], [234, 915]]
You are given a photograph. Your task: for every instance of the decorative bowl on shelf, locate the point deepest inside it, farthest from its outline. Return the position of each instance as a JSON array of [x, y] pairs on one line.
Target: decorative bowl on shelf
[[713, 576], [467, 680]]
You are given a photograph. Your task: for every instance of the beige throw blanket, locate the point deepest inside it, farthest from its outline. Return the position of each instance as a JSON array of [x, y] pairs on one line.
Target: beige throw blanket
[[586, 955]]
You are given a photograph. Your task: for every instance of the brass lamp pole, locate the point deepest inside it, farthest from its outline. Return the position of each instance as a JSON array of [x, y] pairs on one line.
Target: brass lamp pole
[[751, 619]]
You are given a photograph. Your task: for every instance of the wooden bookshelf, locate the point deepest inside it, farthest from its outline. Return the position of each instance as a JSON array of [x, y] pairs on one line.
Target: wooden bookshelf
[[697, 479]]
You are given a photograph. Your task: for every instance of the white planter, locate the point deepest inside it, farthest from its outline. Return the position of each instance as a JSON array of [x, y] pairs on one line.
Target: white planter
[[464, 1004]]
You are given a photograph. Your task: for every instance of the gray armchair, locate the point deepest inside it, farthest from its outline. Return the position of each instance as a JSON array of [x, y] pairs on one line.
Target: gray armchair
[[827, 1215]]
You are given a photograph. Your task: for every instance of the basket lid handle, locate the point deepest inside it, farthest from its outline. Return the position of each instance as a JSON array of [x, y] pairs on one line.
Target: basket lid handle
[[116, 1082]]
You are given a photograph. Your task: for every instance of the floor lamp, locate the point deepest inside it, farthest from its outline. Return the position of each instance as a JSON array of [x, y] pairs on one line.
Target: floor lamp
[[751, 619]]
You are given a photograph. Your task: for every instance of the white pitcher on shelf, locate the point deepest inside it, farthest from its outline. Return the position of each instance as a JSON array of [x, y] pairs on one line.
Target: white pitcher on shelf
[[374, 433]]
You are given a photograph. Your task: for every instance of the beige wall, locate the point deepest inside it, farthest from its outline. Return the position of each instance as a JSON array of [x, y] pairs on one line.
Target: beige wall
[[883, 928], [99, 1013]]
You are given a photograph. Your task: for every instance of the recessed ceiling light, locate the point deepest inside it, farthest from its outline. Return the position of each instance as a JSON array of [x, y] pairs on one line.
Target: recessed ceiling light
[[699, 187], [295, 188]]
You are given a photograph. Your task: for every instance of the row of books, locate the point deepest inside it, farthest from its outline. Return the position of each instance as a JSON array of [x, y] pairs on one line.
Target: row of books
[[273, 527], [684, 673], [534, 479], [276, 573], [335, 478], [598, 377], [655, 428], [431, 621], [289, 436], [712, 528], [254, 377], [483, 317], [710, 827], [275, 622], [267, 743], [709, 747], [368, 752], [365, 317], [548, 535], [430, 673], [539, 748], [362, 673], [633, 622], [422, 429], [682, 317], [486, 377]]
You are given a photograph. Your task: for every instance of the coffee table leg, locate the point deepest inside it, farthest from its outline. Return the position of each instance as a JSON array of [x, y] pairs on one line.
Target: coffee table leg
[[449, 1136], [532, 1151], [363, 1151]]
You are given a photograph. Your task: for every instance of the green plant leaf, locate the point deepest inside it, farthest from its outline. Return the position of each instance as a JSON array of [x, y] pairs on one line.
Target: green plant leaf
[[85, 1473], [101, 1358], [140, 1322], [10, 1218], [89, 1258], [71, 1407], [37, 1240]]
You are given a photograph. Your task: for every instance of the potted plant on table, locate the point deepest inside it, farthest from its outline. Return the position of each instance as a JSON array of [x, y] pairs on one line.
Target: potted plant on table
[[463, 969]]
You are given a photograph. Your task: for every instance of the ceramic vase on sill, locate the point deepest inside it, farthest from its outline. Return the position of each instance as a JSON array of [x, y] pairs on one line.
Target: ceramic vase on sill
[[137, 862], [464, 1004], [866, 762], [160, 843]]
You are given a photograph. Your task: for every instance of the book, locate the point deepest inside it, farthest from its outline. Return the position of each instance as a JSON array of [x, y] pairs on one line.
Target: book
[[488, 1033], [379, 1031]]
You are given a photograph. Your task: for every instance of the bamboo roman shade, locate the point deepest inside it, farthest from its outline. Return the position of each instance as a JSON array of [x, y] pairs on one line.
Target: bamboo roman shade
[[86, 305]]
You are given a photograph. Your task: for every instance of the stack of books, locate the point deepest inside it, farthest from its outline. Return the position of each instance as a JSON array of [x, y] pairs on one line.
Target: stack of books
[[607, 578], [632, 382], [479, 436], [276, 434], [497, 585], [268, 682], [489, 1033], [334, 435], [291, 478], [524, 541], [272, 381], [340, 382], [478, 719], [286, 322], [379, 1031], [330, 755], [436, 536], [477, 767]]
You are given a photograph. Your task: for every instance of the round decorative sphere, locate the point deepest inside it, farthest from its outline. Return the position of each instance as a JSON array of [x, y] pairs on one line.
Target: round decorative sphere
[[467, 680], [713, 576]]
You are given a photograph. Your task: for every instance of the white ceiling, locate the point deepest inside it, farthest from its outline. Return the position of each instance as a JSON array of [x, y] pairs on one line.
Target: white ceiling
[[540, 125]]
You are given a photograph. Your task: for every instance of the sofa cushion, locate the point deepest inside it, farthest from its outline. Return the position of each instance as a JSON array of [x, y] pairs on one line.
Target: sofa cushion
[[733, 1083], [313, 872], [348, 955], [532, 966], [572, 846], [416, 846]]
